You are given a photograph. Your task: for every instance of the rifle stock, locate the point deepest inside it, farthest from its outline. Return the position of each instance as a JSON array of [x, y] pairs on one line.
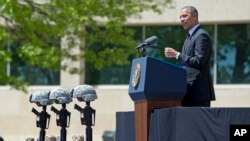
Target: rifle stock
[[35, 111], [78, 108], [54, 110]]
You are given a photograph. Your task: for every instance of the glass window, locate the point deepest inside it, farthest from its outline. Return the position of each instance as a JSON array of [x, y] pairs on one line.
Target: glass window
[[29, 74], [168, 36], [171, 36], [35, 75], [233, 53], [112, 74], [107, 75]]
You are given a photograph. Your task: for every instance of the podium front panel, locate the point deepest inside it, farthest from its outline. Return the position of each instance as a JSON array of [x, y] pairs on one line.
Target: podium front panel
[[153, 79]]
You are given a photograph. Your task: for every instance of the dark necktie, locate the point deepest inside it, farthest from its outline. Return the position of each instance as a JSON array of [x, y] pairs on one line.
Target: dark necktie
[[185, 46], [188, 36]]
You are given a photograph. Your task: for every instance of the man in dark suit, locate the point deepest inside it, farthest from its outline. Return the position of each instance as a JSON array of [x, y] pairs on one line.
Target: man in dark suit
[[195, 57]]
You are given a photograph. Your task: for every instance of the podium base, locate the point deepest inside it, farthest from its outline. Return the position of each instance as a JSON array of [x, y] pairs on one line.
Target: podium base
[[143, 109]]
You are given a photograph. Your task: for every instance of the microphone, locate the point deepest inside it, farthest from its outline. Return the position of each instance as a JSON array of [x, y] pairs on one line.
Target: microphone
[[148, 42]]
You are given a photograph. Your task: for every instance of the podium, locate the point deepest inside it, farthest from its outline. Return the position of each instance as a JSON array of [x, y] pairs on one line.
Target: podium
[[154, 84]]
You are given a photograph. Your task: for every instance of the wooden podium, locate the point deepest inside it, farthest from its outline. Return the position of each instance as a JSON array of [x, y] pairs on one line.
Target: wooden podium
[[154, 84]]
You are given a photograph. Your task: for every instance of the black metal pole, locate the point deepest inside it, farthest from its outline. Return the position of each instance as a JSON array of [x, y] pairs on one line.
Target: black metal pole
[[63, 136], [42, 135], [88, 133]]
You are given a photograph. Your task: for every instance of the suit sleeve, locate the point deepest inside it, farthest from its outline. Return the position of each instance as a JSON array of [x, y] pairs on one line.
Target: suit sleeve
[[201, 52]]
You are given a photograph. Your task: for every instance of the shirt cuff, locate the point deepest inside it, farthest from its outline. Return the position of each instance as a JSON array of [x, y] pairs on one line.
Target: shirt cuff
[[177, 55]]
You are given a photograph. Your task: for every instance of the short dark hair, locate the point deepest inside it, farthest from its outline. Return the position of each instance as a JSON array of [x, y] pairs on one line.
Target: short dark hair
[[190, 9]]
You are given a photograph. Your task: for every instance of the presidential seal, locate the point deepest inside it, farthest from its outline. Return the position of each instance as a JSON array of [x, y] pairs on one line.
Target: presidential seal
[[136, 75]]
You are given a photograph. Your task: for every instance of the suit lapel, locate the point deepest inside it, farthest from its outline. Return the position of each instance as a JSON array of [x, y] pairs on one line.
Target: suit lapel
[[189, 41]]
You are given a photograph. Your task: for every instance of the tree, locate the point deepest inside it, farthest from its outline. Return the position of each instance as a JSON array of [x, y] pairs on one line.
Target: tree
[[31, 31], [233, 54]]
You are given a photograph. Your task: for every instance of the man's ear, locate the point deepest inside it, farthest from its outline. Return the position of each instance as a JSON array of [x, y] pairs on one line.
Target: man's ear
[[195, 16]]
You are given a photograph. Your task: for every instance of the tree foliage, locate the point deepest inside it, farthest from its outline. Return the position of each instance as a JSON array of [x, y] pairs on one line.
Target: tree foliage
[[32, 31]]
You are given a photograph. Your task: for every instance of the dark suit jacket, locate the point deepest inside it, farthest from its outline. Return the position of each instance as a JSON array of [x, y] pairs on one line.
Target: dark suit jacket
[[195, 57]]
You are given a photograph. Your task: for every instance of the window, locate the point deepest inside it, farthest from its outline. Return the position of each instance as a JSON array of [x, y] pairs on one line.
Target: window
[[168, 36], [113, 74], [230, 55], [27, 73], [231, 45], [233, 61]]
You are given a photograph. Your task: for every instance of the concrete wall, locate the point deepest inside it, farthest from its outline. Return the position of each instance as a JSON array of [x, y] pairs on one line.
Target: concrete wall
[[17, 122], [210, 11]]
